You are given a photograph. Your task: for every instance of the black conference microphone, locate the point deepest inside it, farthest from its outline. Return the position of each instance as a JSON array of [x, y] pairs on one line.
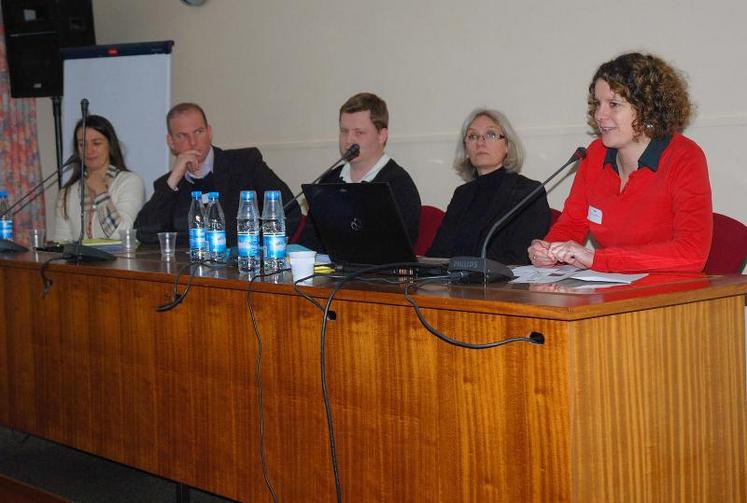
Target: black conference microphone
[[76, 251], [350, 154], [483, 270], [7, 245]]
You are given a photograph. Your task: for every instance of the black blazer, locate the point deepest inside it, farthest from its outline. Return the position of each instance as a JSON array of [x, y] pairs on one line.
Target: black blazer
[[509, 244], [233, 171]]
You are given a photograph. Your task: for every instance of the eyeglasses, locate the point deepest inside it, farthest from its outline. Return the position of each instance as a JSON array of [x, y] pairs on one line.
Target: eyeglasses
[[489, 137]]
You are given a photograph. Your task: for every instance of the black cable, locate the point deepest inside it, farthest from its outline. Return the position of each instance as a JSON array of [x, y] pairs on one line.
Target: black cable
[[533, 338], [46, 282], [258, 379], [178, 298], [325, 397], [369, 279], [323, 337], [328, 314], [332, 315], [382, 279], [305, 296]]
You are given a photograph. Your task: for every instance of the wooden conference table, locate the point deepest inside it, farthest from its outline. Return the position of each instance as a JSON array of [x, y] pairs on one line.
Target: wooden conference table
[[638, 393]]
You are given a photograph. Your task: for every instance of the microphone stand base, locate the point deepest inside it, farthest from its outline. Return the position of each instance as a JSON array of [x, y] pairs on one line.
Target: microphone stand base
[[76, 252], [479, 270], [6, 245]]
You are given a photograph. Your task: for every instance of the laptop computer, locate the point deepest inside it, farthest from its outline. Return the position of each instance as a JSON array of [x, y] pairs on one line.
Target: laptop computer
[[359, 223]]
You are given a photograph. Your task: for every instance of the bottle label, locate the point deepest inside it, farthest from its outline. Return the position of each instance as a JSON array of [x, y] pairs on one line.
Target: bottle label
[[197, 239], [275, 246], [217, 242], [248, 244], [6, 229]]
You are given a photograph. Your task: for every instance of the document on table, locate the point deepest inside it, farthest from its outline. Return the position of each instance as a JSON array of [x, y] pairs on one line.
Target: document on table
[[532, 274]]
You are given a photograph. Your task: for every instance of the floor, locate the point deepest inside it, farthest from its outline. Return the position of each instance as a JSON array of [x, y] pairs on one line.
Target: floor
[[81, 477]]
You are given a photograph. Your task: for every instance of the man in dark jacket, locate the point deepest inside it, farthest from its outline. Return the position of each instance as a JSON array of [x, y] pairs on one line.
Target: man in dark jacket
[[198, 165]]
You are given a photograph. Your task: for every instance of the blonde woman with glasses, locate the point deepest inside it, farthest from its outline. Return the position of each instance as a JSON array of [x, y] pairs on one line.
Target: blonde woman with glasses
[[489, 156]]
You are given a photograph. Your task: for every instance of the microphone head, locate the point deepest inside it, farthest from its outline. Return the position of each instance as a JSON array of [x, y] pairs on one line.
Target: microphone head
[[352, 152], [580, 153]]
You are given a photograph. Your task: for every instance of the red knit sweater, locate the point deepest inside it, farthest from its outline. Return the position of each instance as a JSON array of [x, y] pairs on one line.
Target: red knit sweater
[[661, 221]]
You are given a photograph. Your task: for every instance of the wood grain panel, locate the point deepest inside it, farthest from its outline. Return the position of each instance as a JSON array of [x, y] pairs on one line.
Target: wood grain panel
[[415, 419], [655, 290], [638, 393], [94, 366], [19, 307], [658, 402]]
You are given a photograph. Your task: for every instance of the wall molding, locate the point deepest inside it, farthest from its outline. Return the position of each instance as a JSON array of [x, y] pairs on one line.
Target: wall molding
[[525, 133]]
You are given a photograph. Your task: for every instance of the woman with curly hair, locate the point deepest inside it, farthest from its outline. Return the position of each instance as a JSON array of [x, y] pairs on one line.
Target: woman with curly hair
[[642, 194]]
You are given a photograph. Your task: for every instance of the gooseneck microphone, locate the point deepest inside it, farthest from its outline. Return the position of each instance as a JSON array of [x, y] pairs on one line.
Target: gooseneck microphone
[[350, 154], [83, 167], [481, 269], [578, 155], [76, 251], [32, 193]]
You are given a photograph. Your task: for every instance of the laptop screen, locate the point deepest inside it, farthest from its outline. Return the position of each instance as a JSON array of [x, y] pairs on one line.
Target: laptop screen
[[359, 223]]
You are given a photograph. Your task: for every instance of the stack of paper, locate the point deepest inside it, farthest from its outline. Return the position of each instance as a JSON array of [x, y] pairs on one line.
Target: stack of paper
[[532, 274]]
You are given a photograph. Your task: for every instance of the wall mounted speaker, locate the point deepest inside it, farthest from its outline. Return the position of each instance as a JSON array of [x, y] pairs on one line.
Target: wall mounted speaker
[[35, 31]]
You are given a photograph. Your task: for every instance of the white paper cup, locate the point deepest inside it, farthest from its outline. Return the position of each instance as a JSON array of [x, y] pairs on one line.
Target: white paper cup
[[302, 263]]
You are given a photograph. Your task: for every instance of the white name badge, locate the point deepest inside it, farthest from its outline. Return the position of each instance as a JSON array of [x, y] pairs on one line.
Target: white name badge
[[595, 215]]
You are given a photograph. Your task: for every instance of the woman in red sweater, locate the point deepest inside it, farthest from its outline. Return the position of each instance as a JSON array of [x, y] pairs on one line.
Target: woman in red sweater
[[642, 194]]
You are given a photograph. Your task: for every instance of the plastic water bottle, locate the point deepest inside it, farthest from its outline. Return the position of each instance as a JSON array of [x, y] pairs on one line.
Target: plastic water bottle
[[247, 228], [273, 232], [216, 229], [198, 248], [6, 221]]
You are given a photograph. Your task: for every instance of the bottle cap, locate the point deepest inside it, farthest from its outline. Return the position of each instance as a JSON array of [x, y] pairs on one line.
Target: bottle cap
[[248, 195], [196, 194], [272, 195], [3, 193], [213, 195]]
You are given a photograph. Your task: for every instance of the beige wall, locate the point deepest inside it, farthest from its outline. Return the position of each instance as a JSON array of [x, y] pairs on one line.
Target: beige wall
[[273, 74]]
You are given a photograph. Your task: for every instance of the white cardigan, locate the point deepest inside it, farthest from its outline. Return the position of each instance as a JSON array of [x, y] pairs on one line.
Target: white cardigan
[[127, 192]]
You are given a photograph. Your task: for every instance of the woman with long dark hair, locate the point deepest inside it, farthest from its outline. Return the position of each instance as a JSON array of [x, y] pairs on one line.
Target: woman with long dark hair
[[113, 194]]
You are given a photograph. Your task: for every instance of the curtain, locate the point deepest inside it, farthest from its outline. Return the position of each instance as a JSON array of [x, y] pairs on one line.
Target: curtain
[[20, 168]]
